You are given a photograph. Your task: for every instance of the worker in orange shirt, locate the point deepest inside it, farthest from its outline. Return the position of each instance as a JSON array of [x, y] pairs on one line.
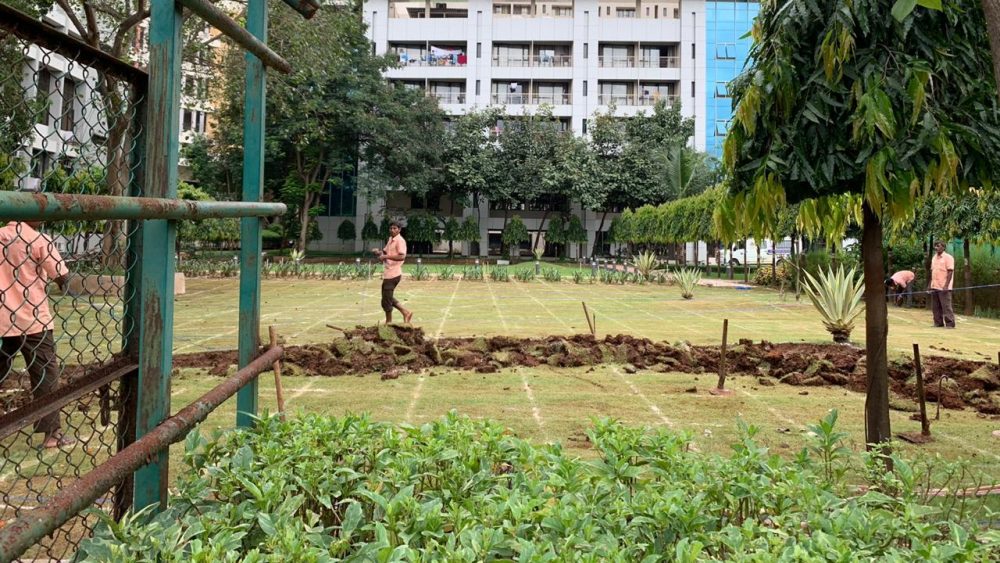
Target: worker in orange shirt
[[940, 286], [901, 284]]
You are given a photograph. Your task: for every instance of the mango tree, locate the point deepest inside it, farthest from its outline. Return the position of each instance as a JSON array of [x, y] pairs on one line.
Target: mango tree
[[841, 98]]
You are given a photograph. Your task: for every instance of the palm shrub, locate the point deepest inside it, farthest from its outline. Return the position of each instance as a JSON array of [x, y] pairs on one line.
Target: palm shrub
[[447, 273], [645, 263], [837, 295], [500, 273], [687, 279], [524, 275]]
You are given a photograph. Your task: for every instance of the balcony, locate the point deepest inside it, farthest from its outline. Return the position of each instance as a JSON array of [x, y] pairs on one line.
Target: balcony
[[607, 61], [624, 100], [532, 99], [539, 61], [448, 97]]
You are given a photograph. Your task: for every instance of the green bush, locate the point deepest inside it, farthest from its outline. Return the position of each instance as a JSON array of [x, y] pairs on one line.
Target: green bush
[[551, 275], [473, 273], [500, 273], [318, 488], [785, 274], [447, 273], [524, 274]]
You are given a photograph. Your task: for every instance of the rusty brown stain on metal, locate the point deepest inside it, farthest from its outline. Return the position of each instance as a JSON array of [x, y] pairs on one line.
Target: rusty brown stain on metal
[[24, 531]]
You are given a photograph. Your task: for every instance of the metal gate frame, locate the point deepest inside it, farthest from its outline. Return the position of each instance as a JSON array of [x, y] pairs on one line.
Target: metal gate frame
[[149, 306]]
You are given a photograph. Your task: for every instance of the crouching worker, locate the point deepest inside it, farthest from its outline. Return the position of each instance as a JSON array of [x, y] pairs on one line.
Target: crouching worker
[[901, 284], [29, 262]]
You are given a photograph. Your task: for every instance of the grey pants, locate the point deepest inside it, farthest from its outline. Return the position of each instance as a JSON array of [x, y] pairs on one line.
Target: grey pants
[[39, 351], [388, 289], [944, 315]]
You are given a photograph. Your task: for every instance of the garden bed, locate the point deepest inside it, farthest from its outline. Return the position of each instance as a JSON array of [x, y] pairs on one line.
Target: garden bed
[[395, 350]]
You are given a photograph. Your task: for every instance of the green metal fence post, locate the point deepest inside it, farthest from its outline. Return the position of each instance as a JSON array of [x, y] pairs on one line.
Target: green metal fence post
[[156, 284], [253, 181]]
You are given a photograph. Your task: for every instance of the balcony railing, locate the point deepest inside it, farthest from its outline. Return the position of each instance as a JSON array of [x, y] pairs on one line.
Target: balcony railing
[[622, 100], [533, 99], [429, 60], [619, 61], [448, 97], [546, 61]]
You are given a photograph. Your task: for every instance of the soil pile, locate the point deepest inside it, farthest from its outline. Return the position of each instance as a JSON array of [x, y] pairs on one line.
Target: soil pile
[[392, 349]]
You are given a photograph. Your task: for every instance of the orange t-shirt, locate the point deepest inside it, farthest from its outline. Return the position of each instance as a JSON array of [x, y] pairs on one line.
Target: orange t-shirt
[[28, 262], [940, 265], [394, 268], [902, 278]]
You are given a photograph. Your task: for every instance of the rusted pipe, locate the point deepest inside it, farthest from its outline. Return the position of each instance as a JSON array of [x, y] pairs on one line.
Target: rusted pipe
[[23, 532], [25, 206], [237, 33], [305, 7]]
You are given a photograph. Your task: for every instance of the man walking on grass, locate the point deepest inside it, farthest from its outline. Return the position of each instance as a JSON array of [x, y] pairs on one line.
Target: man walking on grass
[[28, 262], [941, 282], [392, 257]]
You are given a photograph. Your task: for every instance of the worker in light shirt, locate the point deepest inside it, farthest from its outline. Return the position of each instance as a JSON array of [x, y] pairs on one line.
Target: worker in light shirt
[[901, 285], [940, 285]]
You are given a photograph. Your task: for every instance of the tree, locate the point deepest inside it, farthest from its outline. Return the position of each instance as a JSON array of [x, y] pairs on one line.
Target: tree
[[685, 171], [452, 232], [369, 231], [840, 98], [514, 234], [575, 233], [469, 231], [346, 231], [421, 229], [556, 234]]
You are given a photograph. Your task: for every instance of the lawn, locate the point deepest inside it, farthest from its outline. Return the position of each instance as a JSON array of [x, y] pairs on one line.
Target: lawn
[[557, 405]]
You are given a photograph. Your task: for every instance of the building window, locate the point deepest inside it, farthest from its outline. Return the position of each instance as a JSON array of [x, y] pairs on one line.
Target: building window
[[721, 90], [625, 12], [477, 87], [562, 11], [692, 51], [42, 95], [586, 50], [585, 126], [339, 197], [692, 88], [721, 127], [39, 164], [187, 119], [479, 50], [584, 88], [68, 104], [725, 51]]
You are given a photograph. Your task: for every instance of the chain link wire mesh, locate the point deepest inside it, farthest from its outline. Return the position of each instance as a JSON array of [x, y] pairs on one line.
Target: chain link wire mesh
[[68, 128]]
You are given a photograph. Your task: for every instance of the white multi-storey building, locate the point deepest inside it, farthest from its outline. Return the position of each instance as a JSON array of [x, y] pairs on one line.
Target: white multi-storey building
[[576, 56]]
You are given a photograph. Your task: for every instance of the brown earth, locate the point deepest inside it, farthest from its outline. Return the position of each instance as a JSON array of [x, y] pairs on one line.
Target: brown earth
[[392, 350]]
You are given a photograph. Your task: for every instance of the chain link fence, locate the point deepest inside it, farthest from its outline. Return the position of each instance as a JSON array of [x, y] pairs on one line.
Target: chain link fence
[[68, 125]]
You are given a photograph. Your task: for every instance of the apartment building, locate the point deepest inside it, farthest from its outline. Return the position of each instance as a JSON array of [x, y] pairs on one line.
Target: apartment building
[[576, 56]]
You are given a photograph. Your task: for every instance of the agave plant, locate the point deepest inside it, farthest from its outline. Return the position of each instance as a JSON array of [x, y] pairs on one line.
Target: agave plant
[[645, 263], [837, 296], [687, 279]]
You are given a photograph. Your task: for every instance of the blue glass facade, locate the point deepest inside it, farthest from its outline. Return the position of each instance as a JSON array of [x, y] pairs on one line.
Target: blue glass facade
[[725, 25]]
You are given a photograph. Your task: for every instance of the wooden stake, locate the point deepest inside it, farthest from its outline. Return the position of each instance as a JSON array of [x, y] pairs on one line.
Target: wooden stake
[[273, 334], [937, 415], [925, 425], [720, 389], [590, 323], [593, 324]]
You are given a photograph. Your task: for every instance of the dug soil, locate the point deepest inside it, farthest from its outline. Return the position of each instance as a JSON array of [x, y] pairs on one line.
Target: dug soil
[[393, 350]]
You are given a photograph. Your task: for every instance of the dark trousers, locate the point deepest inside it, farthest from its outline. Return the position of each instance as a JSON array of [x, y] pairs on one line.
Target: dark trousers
[[388, 289], [944, 315], [906, 294], [39, 351]]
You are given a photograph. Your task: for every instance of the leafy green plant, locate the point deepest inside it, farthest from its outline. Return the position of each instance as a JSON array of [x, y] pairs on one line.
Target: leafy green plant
[[472, 273], [837, 295], [687, 279], [447, 273], [421, 273], [579, 277], [538, 253], [500, 273], [524, 274], [645, 263], [552, 275]]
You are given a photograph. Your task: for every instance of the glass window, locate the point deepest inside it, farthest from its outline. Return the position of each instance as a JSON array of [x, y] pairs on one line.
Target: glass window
[[721, 90], [721, 127]]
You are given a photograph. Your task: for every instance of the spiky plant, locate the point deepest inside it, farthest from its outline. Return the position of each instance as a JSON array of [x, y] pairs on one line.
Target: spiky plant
[[538, 253], [687, 279], [645, 263], [837, 295]]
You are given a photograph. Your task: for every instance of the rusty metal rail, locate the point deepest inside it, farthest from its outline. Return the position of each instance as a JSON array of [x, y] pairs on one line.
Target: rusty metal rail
[[21, 533], [237, 33], [23, 206], [305, 7]]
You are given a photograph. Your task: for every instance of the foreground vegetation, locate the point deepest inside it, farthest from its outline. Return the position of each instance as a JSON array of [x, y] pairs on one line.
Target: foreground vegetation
[[320, 488]]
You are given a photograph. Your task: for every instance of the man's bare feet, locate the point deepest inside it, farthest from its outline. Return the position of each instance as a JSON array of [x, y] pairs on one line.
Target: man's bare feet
[[407, 316], [57, 440]]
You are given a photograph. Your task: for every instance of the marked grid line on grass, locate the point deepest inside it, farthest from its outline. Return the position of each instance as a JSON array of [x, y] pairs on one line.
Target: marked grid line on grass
[[413, 399], [772, 410], [447, 310], [637, 392], [536, 413]]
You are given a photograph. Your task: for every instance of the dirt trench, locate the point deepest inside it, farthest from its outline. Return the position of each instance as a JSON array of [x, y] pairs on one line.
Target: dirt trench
[[393, 350]]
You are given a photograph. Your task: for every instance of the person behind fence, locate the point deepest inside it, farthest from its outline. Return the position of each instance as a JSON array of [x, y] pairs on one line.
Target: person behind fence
[[901, 283], [940, 286], [30, 260], [392, 257]]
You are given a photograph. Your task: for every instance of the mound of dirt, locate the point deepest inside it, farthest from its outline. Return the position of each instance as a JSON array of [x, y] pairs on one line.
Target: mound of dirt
[[956, 383]]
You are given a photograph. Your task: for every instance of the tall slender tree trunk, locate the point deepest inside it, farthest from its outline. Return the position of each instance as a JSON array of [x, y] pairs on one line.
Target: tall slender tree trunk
[[927, 263], [877, 428], [991, 9], [304, 220], [538, 233], [970, 304]]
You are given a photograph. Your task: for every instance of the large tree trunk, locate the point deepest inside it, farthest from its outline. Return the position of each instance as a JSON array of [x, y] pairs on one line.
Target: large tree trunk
[[304, 219], [876, 331], [927, 263], [991, 8], [538, 233], [970, 304]]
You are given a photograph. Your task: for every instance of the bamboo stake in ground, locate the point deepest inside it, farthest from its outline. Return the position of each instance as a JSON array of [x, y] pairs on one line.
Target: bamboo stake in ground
[[925, 424], [590, 323], [937, 415], [273, 333], [720, 389]]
